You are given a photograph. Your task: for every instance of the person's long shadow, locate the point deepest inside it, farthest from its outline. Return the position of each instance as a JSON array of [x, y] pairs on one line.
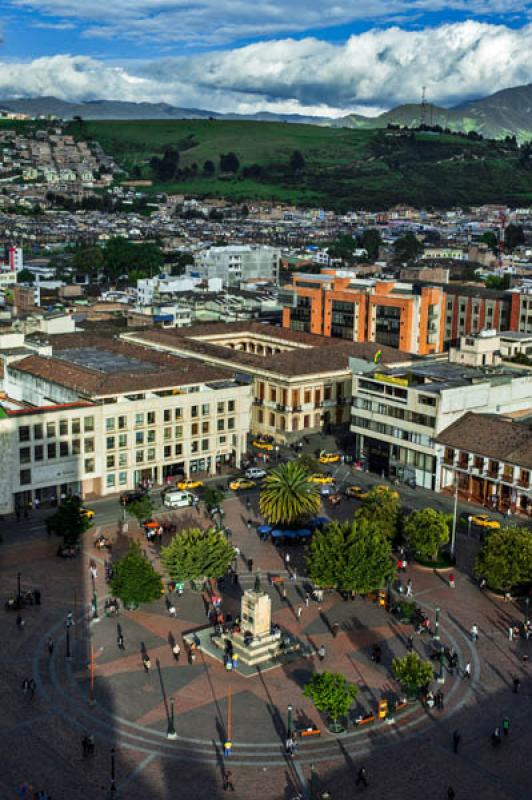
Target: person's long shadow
[[273, 711]]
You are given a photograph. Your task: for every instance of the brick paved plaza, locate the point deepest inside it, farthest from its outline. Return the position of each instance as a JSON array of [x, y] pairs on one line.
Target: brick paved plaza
[[413, 758]]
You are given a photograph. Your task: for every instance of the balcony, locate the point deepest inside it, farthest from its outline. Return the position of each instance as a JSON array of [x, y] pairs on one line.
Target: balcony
[[524, 483], [258, 401]]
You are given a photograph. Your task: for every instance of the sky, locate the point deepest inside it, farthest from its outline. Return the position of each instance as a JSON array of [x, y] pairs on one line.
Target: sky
[[284, 56]]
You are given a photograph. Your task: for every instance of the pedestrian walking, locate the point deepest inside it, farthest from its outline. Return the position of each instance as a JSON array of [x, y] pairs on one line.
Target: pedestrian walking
[[227, 781], [290, 746], [451, 794], [293, 576], [516, 683], [335, 627], [409, 591], [25, 687], [93, 571], [20, 623], [321, 652], [284, 596], [172, 610], [69, 622], [362, 777], [456, 741], [50, 646], [146, 663], [250, 565], [410, 643], [511, 633], [496, 737], [474, 632], [299, 612], [176, 650], [439, 700], [451, 581], [120, 641], [307, 599], [506, 726], [249, 524], [85, 745], [287, 560], [32, 688], [467, 670]]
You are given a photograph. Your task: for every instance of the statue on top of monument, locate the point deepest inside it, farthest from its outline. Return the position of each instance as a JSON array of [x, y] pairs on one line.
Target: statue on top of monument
[[257, 588]]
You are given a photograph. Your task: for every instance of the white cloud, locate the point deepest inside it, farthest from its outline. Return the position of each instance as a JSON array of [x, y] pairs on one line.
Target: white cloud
[[369, 72], [215, 22]]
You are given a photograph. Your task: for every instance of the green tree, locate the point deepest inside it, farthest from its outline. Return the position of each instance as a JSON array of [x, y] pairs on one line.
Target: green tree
[[307, 462], [88, 261], [297, 161], [505, 559], [343, 248], [514, 236], [122, 256], [331, 693], [165, 168], [229, 162], [412, 672], [25, 276], [196, 554], [209, 169], [382, 506], [68, 521], [491, 240], [371, 240], [407, 248], [426, 531], [350, 556], [497, 282], [287, 496], [134, 579], [213, 497], [140, 509]]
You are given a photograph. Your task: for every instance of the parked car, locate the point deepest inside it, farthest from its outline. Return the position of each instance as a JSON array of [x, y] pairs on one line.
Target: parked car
[[319, 477], [178, 499], [255, 473], [329, 458], [485, 521], [241, 483], [131, 496], [262, 444], [356, 492], [88, 513], [189, 483]]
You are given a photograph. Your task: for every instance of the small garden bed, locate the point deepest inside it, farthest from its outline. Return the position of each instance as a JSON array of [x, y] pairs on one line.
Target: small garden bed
[[443, 561]]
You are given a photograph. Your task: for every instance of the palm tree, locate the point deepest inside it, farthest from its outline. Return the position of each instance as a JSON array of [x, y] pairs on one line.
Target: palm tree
[[287, 495]]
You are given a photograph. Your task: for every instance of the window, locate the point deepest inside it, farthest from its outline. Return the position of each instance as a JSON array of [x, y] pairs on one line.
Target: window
[[167, 451], [194, 411], [151, 454], [76, 425], [205, 409], [139, 456], [178, 413], [260, 417], [63, 427], [167, 434], [89, 465], [150, 418], [25, 476], [231, 405], [63, 449], [24, 455], [122, 459], [122, 423], [38, 431], [231, 422], [178, 431], [139, 420], [110, 462], [110, 443], [24, 433], [205, 427], [122, 478], [178, 449], [51, 450], [204, 444], [194, 447], [307, 396], [222, 439], [110, 424], [167, 415], [110, 481], [88, 424], [139, 437], [194, 428], [50, 430], [272, 422], [220, 425], [76, 447], [151, 436], [122, 439], [220, 408], [273, 394]]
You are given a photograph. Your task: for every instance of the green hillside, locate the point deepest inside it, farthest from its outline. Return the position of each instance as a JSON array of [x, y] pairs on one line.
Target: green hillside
[[343, 168]]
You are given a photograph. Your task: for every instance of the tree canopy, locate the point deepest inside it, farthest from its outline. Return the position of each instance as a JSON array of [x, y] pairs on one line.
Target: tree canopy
[[382, 506], [297, 161], [426, 531], [412, 672], [25, 276], [371, 240], [350, 556], [134, 579], [287, 496], [88, 261], [122, 256], [505, 559], [331, 693], [68, 521], [229, 162], [196, 554], [141, 509], [514, 236], [407, 248]]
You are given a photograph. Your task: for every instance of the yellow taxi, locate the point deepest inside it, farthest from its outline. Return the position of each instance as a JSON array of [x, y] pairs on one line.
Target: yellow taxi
[[87, 513], [357, 492], [262, 444], [329, 458], [484, 521], [319, 477], [189, 483], [241, 483]]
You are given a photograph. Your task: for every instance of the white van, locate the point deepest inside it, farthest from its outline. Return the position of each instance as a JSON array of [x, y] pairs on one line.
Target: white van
[[177, 499], [254, 473]]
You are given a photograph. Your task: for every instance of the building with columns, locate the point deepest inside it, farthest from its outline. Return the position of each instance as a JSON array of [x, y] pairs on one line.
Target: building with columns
[[99, 416]]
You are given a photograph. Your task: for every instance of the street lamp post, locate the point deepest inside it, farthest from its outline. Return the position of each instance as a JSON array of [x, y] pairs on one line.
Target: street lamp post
[[527, 604], [469, 523], [68, 654], [95, 615], [289, 721], [171, 732], [112, 788], [441, 675], [436, 636], [389, 593]]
